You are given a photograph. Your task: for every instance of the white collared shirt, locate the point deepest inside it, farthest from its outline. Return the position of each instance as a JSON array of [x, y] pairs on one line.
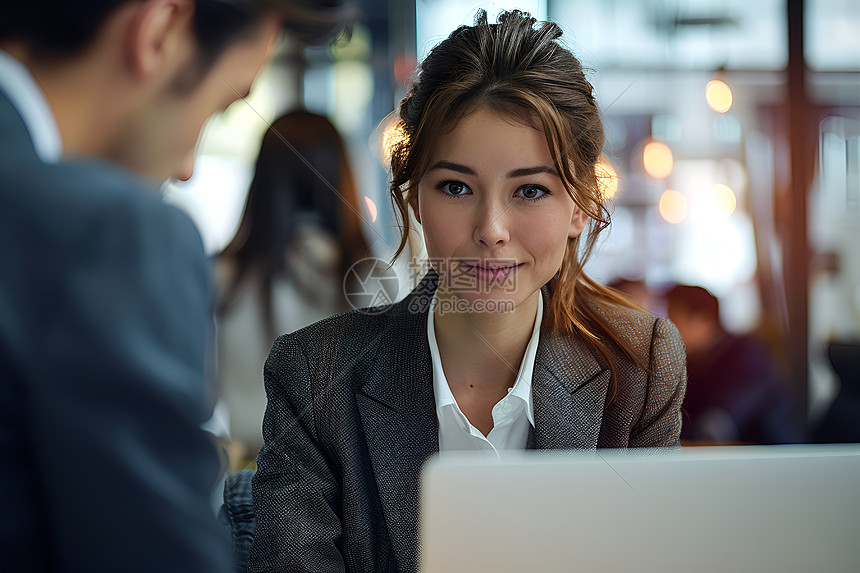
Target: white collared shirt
[[513, 415], [27, 98]]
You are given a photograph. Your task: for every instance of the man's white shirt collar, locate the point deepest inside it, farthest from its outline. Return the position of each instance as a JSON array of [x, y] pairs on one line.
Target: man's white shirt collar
[[27, 98]]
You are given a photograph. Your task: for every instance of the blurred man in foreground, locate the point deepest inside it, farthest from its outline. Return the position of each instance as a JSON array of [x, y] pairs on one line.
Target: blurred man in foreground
[[104, 293]]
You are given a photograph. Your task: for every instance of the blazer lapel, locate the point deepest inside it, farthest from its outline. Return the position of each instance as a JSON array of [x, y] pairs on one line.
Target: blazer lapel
[[398, 413], [569, 391]]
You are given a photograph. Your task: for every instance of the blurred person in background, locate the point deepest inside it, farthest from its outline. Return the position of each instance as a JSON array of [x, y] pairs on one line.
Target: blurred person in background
[[639, 292], [285, 268], [105, 304], [734, 392]]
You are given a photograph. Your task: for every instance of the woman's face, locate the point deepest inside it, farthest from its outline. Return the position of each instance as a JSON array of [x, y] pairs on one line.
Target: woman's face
[[496, 216]]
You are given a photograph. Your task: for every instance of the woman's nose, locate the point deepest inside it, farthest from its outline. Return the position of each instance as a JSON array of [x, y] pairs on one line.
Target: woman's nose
[[491, 224]]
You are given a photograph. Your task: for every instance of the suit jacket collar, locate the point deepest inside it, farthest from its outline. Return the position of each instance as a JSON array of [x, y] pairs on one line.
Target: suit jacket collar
[[398, 409], [13, 130], [20, 90], [569, 387]]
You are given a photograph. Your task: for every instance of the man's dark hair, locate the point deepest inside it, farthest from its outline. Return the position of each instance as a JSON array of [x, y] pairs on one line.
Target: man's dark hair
[[694, 298], [57, 28]]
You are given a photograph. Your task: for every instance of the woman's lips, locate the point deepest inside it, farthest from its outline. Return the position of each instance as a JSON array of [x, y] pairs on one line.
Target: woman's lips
[[491, 271]]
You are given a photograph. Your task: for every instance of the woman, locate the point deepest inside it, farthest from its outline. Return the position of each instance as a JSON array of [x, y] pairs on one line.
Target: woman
[[284, 268], [505, 344]]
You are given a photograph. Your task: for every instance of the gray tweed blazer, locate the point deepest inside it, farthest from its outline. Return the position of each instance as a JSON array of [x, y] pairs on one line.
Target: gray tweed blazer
[[351, 419]]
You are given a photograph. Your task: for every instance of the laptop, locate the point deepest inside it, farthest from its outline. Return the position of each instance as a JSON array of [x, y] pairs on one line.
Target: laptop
[[716, 509]]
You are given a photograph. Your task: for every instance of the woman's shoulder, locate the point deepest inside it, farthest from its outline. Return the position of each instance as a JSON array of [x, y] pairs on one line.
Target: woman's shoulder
[[362, 324], [624, 317], [651, 381], [348, 334], [651, 339], [328, 350], [350, 324], [330, 359], [642, 329]]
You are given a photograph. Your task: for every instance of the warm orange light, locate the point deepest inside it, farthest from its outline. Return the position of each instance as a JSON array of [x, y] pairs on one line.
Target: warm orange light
[[657, 159], [371, 208], [607, 179], [673, 206], [724, 199], [719, 96], [392, 136]]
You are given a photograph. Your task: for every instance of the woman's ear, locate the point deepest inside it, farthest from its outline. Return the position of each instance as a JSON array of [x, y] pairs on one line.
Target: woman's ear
[[578, 219]]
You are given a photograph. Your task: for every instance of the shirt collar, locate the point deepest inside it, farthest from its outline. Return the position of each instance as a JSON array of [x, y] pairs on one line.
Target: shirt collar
[[27, 98], [522, 388], [444, 397]]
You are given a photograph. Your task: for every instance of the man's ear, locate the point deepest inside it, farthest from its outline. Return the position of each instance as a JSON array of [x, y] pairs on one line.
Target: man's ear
[[577, 222], [156, 34], [186, 168]]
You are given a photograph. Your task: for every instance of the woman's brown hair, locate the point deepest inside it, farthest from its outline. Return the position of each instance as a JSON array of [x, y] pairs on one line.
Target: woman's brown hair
[[520, 70], [302, 160]]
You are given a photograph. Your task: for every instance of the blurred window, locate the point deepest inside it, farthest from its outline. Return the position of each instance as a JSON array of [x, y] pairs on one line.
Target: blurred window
[[832, 35]]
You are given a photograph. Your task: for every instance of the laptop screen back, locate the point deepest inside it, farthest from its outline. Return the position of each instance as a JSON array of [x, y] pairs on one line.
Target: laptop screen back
[[751, 508]]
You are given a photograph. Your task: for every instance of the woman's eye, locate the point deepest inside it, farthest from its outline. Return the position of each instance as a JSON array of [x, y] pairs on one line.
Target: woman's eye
[[532, 192], [453, 188]]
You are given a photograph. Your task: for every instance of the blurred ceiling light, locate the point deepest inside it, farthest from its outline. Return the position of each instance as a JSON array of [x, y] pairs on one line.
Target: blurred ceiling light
[[719, 96], [673, 206], [371, 208], [724, 199], [607, 179], [657, 159]]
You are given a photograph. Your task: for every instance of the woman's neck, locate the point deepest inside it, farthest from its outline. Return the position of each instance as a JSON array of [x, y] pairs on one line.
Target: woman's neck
[[483, 351]]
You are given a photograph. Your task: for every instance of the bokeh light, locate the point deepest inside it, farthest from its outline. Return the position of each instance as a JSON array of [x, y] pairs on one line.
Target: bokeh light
[[673, 206], [657, 159], [719, 96], [607, 179], [724, 199], [392, 135]]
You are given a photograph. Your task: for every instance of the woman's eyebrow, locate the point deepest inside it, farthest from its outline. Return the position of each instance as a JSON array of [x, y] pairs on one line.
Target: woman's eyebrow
[[450, 165], [525, 171], [520, 172]]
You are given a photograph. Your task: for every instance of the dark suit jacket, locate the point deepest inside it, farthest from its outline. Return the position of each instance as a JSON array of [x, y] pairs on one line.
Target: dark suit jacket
[[104, 311], [351, 419]]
